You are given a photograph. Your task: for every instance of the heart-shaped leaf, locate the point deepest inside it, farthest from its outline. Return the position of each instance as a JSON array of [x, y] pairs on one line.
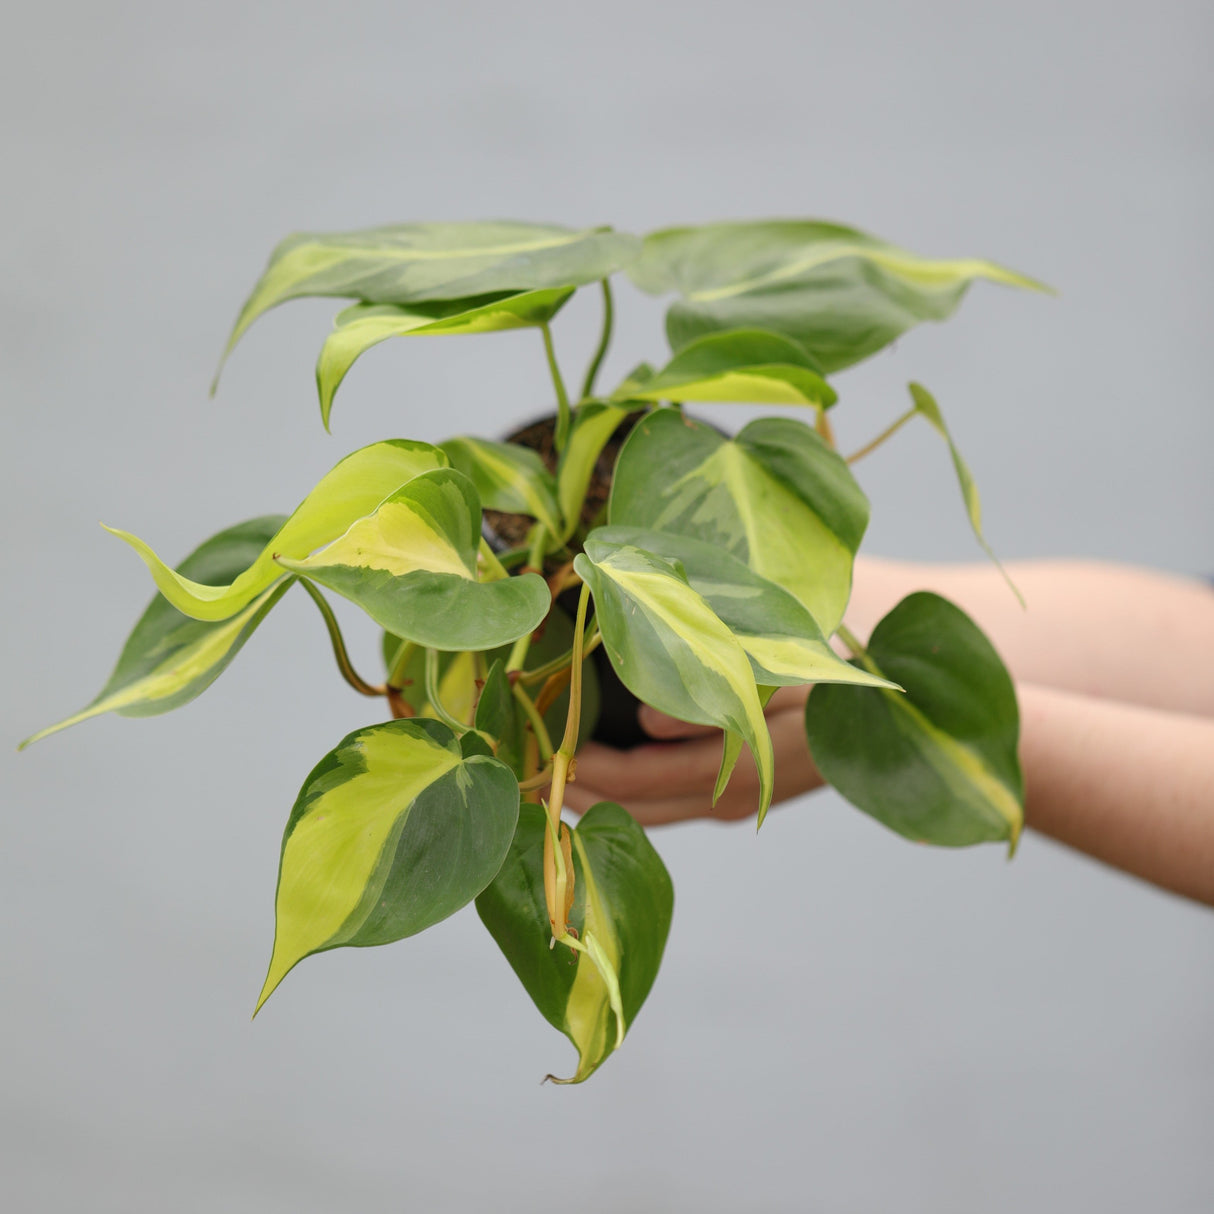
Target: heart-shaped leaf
[[776, 497], [507, 477], [352, 489], [937, 764], [359, 328], [781, 638], [411, 566], [169, 659], [394, 830], [421, 262], [746, 365], [836, 290], [623, 901], [671, 650]]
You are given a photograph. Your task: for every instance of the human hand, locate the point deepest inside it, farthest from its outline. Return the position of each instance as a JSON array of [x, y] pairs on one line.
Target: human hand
[[671, 779]]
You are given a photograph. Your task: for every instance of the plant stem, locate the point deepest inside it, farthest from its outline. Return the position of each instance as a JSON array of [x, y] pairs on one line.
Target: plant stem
[[535, 561], [540, 673], [889, 430], [563, 416], [538, 728], [824, 429], [339, 645], [435, 700], [604, 341], [852, 641]]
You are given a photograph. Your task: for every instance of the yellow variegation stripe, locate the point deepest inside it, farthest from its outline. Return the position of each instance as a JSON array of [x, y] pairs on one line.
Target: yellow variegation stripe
[[786, 542], [588, 1009], [396, 539], [952, 759], [590, 435], [174, 675], [806, 661], [352, 489], [696, 625], [922, 271], [334, 851], [775, 387]]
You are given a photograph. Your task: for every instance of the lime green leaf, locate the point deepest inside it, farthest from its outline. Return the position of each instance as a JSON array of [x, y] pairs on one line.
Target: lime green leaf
[[593, 425], [623, 902], [839, 292], [411, 566], [781, 638], [507, 477], [169, 659], [926, 406], [937, 764], [421, 262], [359, 328], [745, 365], [671, 650], [353, 488], [393, 831], [776, 497]]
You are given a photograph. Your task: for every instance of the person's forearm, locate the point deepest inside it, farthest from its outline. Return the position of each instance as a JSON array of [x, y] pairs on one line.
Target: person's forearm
[[1131, 786], [1104, 630]]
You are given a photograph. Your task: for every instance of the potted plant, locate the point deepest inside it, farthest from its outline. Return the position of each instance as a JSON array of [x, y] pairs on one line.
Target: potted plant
[[702, 570]]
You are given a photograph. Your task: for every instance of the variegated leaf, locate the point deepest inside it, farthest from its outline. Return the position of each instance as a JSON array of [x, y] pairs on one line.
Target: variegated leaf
[[169, 659], [939, 763], [352, 489], [421, 262], [359, 328], [394, 830], [411, 566], [776, 497], [839, 292], [781, 638], [623, 902], [672, 651], [593, 425], [745, 365], [507, 477]]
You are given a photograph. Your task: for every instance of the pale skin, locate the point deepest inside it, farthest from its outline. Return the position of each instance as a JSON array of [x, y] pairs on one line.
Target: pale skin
[[1114, 669]]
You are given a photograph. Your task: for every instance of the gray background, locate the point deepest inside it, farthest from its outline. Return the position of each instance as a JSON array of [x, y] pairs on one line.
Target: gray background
[[843, 1022]]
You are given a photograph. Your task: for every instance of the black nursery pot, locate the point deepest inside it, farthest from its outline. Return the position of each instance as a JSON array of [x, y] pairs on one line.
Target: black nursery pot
[[617, 725]]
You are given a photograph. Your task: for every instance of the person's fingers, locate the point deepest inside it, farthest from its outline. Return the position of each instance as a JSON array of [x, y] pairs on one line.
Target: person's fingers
[[658, 725], [647, 771], [788, 697]]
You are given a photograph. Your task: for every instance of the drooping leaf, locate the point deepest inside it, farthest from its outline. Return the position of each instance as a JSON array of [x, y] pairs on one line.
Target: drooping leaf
[[497, 715], [781, 638], [411, 566], [672, 651], [359, 328], [776, 497], [169, 659], [623, 900], [937, 764], [593, 425], [352, 489], [926, 406], [746, 365], [508, 477], [394, 830], [421, 262], [838, 291]]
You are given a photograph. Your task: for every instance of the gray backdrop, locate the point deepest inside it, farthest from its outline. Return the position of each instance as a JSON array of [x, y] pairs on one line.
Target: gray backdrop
[[843, 1022]]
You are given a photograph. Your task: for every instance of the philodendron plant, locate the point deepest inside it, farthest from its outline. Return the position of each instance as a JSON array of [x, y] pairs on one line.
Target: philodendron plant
[[718, 570]]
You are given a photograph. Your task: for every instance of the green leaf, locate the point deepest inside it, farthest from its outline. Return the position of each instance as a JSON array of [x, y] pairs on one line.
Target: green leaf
[[937, 764], [742, 365], [393, 831], [411, 566], [623, 900], [593, 425], [839, 292], [421, 262], [352, 489], [359, 328], [169, 659], [781, 638], [776, 497], [498, 716], [672, 651], [507, 477], [926, 406]]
